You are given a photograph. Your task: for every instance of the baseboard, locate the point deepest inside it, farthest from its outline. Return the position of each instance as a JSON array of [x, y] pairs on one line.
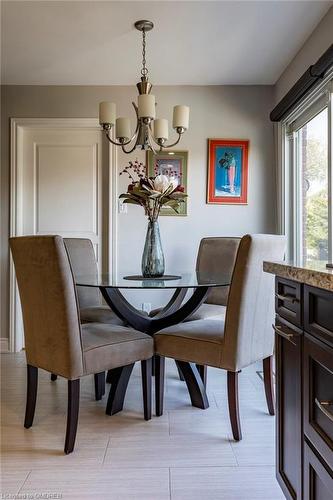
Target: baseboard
[[4, 345]]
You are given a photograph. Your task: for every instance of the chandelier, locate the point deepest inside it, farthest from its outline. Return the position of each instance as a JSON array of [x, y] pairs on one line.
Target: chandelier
[[150, 132]]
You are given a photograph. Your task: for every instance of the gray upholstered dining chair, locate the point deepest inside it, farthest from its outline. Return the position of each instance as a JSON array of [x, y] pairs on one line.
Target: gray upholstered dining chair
[[83, 261], [92, 310], [56, 341], [243, 338], [216, 255]]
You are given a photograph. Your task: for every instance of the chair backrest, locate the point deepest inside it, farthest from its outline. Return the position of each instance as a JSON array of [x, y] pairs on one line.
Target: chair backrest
[[49, 304], [248, 333], [217, 256], [82, 257]]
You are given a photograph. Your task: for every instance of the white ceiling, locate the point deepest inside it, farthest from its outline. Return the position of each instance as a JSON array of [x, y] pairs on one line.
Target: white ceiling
[[209, 43]]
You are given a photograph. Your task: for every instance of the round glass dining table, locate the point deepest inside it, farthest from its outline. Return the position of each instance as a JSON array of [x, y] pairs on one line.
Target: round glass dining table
[[180, 306]]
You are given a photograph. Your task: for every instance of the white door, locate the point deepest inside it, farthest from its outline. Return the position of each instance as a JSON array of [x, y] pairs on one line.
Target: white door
[[60, 188]]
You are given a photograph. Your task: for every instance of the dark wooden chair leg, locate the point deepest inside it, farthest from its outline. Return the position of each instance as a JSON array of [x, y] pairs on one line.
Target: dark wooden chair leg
[[269, 385], [153, 366], [72, 414], [202, 369], [99, 379], [109, 377], [194, 384], [181, 376], [54, 377], [159, 384], [232, 378], [120, 379], [32, 384], [146, 373]]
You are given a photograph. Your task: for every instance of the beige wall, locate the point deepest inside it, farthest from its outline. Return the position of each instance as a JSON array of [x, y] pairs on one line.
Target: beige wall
[[317, 43], [225, 112]]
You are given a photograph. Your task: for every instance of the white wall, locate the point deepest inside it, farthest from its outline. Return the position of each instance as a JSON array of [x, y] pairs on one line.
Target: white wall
[[227, 112], [216, 112], [317, 43]]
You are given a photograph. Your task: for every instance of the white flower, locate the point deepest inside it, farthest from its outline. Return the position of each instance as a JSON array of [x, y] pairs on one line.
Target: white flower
[[161, 183], [173, 182]]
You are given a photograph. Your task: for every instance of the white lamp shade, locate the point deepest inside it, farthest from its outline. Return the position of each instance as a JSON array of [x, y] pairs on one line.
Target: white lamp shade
[[181, 116], [107, 112], [123, 128], [146, 106], [161, 128]]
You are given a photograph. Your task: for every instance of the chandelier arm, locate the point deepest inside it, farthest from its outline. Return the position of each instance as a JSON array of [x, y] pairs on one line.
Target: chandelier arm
[[166, 145], [151, 141], [135, 143], [115, 142], [173, 144]]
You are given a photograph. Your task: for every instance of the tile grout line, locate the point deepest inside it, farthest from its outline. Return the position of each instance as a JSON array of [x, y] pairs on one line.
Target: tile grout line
[[106, 449], [22, 485]]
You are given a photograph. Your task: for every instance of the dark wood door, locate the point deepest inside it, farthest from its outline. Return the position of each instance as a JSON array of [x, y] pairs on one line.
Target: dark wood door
[[288, 351], [318, 396], [318, 483]]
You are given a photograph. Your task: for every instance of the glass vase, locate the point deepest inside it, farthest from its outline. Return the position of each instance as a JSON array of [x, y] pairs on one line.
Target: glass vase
[[152, 265]]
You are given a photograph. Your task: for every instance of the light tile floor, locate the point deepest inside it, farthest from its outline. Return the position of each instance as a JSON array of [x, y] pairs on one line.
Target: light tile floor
[[187, 454]]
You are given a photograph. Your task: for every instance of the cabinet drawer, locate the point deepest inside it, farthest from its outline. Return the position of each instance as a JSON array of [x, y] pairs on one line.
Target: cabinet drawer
[[318, 396], [288, 300], [318, 482], [318, 313]]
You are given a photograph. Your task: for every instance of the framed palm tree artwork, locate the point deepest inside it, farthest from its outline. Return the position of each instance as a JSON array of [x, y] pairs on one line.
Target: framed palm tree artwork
[[227, 177]]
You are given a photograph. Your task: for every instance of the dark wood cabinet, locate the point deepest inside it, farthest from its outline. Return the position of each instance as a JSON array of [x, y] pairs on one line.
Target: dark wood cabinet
[[304, 389], [318, 482], [288, 352], [288, 300], [318, 397]]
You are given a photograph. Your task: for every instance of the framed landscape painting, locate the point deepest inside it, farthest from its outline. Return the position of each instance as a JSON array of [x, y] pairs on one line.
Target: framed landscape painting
[[173, 164], [227, 177]]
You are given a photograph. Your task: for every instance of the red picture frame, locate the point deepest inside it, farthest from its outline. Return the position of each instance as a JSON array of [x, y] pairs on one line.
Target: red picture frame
[[227, 172]]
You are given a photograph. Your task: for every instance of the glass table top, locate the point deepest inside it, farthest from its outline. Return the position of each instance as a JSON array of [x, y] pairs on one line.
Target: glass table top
[[185, 280]]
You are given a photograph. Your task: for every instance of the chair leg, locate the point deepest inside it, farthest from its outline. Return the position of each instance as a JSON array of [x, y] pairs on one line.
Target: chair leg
[[99, 379], [120, 379], [53, 377], [181, 376], [32, 384], [194, 384], [159, 384], [72, 414], [146, 374], [202, 369], [109, 377], [232, 378], [268, 382]]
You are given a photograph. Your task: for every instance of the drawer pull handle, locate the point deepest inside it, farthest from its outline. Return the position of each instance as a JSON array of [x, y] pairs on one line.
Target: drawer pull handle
[[322, 405], [287, 336], [286, 298]]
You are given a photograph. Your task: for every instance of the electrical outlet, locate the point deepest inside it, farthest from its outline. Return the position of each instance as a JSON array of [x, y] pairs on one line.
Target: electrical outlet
[[146, 306], [122, 207]]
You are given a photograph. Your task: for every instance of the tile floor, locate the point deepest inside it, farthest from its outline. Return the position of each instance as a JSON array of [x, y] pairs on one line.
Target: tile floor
[[187, 454]]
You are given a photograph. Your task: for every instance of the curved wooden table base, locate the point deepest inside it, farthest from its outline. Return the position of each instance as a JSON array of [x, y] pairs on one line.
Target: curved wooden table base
[[173, 313]]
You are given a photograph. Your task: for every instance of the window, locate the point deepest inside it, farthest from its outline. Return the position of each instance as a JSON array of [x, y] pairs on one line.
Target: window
[[308, 190]]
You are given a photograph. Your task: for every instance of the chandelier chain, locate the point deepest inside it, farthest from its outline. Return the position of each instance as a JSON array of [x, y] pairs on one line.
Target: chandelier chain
[[144, 70]]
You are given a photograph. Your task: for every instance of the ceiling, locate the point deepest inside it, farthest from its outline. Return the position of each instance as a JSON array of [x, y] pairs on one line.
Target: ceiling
[[195, 43]]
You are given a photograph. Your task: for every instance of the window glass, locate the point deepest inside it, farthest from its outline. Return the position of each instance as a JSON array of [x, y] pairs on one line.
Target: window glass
[[312, 206]]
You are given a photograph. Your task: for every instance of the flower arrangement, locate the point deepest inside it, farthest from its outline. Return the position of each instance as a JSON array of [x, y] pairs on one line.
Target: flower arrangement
[[152, 193]]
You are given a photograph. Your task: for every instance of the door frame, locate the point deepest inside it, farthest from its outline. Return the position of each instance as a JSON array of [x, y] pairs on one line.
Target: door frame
[[17, 127]]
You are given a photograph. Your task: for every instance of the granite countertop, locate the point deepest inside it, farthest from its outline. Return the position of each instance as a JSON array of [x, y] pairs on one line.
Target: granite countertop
[[312, 273]]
